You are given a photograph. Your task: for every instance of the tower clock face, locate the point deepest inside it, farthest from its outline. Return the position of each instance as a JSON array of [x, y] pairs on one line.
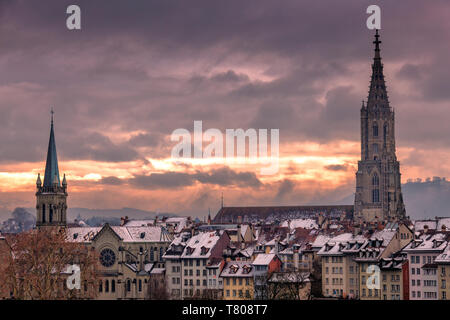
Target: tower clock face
[[107, 257]]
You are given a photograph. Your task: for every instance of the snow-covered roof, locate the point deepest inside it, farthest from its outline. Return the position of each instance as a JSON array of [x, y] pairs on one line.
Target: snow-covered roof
[[444, 257], [126, 233], [342, 243], [237, 269], [140, 223], [200, 245], [157, 271], [244, 229], [428, 243], [419, 225], [263, 259], [443, 222], [300, 223]]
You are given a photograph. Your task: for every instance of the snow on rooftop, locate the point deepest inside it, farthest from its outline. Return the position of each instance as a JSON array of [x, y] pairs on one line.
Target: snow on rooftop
[[200, 245], [126, 233], [237, 269], [300, 223], [419, 225], [263, 259], [435, 242], [444, 257]]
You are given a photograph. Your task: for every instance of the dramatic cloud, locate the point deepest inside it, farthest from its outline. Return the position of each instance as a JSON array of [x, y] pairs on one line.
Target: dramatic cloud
[[139, 70]]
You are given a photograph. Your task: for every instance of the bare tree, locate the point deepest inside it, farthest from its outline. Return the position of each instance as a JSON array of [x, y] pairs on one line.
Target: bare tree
[[36, 265], [292, 285], [156, 288]]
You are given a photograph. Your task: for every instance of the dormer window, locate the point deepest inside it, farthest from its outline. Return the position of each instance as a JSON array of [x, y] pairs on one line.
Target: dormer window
[[204, 251], [189, 251]]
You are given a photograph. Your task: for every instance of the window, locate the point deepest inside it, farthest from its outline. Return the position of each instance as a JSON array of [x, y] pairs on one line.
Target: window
[[375, 180], [128, 285], [140, 285], [106, 285], [228, 293], [375, 195], [375, 130]]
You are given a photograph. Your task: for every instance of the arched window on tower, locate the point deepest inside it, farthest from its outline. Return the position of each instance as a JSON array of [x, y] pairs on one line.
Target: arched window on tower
[[375, 130], [375, 195], [43, 213], [375, 180], [385, 129], [376, 190]]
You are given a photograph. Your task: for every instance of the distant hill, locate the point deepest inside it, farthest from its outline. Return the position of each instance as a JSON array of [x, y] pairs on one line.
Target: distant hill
[[85, 214], [427, 199], [423, 198], [73, 213]]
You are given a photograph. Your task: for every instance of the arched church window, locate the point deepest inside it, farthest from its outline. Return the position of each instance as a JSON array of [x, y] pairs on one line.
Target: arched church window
[[375, 195], [113, 285], [375, 180], [43, 213], [375, 130], [50, 214], [106, 285], [128, 285], [152, 257], [161, 253], [385, 129]]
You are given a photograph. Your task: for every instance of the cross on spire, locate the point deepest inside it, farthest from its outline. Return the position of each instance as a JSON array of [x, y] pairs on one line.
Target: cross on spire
[[52, 113], [377, 44]]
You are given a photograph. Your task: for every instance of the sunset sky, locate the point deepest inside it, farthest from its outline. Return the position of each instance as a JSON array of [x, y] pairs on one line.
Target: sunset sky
[[140, 69]]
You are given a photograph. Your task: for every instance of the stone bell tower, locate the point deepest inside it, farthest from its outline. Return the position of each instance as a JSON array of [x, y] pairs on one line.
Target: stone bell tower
[[51, 197], [378, 186]]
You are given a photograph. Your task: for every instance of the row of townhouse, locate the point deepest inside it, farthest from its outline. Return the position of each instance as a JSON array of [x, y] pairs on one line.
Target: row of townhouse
[[366, 268], [392, 264], [200, 267]]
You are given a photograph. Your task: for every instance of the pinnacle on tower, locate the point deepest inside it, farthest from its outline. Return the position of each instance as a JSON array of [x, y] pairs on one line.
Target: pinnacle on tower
[[51, 167]]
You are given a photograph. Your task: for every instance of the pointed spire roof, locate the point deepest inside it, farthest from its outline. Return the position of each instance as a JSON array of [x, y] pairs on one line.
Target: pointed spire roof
[[51, 168], [378, 98]]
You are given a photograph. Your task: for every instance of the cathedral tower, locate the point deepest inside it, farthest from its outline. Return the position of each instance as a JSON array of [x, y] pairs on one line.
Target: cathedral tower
[[378, 187], [51, 197]]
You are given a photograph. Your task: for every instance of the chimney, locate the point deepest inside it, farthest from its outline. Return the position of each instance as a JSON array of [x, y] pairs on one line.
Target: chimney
[[425, 229], [122, 221]]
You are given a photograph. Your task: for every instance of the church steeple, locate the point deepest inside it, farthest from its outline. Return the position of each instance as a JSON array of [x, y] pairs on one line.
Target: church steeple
[[377, 98], [51, 197], [378, 185], [51, 168]]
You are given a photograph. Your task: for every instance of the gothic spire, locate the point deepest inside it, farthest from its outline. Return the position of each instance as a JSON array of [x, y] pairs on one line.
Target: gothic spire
[[51, 167], [378, 98]]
